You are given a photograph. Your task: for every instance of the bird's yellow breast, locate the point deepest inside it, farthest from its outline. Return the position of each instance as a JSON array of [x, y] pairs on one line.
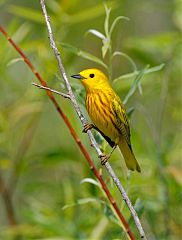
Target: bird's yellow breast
[[101, 113]]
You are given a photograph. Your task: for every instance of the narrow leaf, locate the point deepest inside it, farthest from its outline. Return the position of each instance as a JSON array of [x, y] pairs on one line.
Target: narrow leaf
[[105, 47], [130, 111], [139, 207], [13, 61], [90, 180], [92, 58], [135, 84], [83, 54], [97, 33], [21, 32], [106, 23], [117, 53], [110, 214], [90, 13], [140, 88], [80, 202], [133, 74], [27, 13], [116, 21]]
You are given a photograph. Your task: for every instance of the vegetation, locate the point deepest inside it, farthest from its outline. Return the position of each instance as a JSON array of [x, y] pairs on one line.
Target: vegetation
[[47, 190]]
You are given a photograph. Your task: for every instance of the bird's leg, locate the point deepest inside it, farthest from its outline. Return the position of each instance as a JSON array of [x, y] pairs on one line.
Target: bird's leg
[[87, 127], [104, 158]]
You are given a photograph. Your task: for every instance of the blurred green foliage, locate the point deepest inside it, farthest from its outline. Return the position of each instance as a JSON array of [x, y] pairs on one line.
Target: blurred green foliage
[[40, 163]]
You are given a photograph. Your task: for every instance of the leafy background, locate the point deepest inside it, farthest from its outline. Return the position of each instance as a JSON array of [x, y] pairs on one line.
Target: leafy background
[[53, 193]]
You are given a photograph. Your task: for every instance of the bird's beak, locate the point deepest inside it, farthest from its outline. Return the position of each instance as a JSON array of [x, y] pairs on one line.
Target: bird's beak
[[77, 76]]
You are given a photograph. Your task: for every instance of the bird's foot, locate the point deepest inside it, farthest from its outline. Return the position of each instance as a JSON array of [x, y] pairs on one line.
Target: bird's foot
[[87, 127], [104, 158]]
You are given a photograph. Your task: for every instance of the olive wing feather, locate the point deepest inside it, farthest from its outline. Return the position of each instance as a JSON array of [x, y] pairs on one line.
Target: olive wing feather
[[111, 143], [121, 119]]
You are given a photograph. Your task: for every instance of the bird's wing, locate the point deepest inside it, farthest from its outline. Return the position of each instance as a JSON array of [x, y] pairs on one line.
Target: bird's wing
[[121, 119], [110, 142]]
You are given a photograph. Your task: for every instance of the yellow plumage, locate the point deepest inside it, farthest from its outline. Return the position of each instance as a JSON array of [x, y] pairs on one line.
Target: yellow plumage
[[107, 112]]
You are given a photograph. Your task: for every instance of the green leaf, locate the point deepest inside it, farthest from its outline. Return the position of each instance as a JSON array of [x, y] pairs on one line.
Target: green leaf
[[110, 214], [118, 53], [97, 33], [89, 13], [21, 32], [130, 111], [27, 13], [79, 92], [83, 54], [13, 61], [140, 88], [81, 202], [139, 207], [135, 84], [55, 7], [106, 22], [90, 180], [105, 47], [133, 74], [115, 22]]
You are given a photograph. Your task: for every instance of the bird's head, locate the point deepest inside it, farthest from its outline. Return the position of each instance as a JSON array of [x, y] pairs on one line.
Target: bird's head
[[92, 79]]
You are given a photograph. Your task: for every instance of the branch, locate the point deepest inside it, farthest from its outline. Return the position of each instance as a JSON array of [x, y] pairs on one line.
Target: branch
[[83, 121], [74, 135], [51, 90]]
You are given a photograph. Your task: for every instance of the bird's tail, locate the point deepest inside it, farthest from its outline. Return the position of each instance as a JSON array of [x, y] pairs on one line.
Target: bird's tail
[[129, 156]]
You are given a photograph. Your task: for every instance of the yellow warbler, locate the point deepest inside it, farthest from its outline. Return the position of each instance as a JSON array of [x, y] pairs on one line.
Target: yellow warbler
[[108, 113]]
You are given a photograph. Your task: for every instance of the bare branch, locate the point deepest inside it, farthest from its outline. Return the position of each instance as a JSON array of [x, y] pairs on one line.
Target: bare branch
[[83, 121], [51, 90]]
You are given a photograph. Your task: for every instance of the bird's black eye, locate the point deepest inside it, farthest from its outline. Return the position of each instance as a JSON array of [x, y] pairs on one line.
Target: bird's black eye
[[92, 75]]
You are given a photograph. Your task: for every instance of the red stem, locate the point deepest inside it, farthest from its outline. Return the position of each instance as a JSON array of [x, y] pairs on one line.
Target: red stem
[[73, 133]]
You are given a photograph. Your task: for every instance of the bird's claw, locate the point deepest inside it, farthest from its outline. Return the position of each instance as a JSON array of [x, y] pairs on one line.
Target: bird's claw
[[87, 127], [104, 158]]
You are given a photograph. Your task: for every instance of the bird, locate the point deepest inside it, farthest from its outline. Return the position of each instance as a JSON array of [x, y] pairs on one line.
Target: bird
[[108, 114]]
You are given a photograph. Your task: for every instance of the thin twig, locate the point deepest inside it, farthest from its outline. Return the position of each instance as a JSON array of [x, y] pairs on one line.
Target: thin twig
[[83, 120], [74, 135], [51, 90]]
